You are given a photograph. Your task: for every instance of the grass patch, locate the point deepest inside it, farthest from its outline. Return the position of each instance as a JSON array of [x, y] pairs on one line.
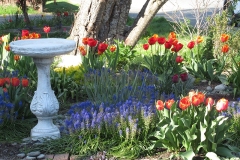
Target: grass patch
[[60, 6], [11, 10]]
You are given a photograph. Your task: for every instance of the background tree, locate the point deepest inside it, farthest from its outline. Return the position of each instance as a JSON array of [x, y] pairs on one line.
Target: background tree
[[106, 20]]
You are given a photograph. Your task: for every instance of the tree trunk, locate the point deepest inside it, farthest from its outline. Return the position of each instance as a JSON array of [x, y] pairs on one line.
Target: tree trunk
[[101, 19], [147, 13], [23, 7]]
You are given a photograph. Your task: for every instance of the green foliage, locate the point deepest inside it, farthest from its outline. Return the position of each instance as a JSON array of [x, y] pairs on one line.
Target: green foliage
[[60, 6], [66, 83], [234, 78], [160, 26]]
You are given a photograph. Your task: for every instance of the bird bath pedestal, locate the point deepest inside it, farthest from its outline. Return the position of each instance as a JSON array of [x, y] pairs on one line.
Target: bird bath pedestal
[[44, 103]]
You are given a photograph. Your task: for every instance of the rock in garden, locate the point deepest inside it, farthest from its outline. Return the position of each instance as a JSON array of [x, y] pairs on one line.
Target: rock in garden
[[21, 155], [34, 154], [26, 139], [209, 88], [220, 87], [41, 156], [30, 158]]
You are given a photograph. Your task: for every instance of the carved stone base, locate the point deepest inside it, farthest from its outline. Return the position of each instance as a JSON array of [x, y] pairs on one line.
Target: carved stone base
[[45, 129]]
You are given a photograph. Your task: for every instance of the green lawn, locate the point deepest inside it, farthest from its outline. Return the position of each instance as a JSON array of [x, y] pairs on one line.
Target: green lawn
[[60, 6]]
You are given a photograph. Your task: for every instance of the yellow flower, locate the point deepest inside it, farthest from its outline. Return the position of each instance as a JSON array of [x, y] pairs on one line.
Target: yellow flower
[[5, 38]]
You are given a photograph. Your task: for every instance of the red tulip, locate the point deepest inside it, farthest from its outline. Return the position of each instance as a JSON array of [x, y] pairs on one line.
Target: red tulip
[[169, 103], [184, 103], [191, 45], [92, 42], [25, 82], [145, 46], [177, 47], [65, 14], [25, 33], [102, 47], [15, 81], [160, 105], [46, 29], [7, 80], [179, 59], [222, 105], [168, 44], [2, 81], [152, 40], [184, 77], [175, 78], [161, 40]]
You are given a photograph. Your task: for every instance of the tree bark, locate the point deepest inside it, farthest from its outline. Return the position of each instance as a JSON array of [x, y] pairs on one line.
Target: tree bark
[[104, 20], [147, 13]]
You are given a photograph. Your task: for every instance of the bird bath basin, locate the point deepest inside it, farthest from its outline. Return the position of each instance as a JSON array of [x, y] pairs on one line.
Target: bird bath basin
[[44, 103]]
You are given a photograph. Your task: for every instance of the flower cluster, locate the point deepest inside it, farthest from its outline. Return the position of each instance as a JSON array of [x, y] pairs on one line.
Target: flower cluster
[[224, 38], [194, 99], [92, 43]]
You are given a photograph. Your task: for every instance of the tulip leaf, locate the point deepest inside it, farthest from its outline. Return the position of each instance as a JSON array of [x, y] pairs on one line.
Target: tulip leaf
[[188, 155], [225, 152], [203, 130]]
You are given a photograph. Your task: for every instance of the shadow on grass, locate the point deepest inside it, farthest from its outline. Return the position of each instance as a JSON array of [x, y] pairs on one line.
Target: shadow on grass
[[60, 7]]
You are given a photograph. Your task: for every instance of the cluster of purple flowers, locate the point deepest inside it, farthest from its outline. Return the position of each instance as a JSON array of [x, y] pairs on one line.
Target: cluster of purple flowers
[[125, 119], [7, 112]]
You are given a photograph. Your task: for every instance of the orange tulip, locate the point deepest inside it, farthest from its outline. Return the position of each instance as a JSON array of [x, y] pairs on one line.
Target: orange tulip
[[196, 100], [201, 96], [199, 39], [225, 48], [169, 103], [16, 57], [184, 103], [82, 50], [160, 105], [224, 37], [112, 48], [85, 40], [7, 47], [172, 35]]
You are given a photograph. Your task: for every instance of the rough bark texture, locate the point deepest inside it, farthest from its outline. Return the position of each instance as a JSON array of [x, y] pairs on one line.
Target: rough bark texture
[[100, 19], [144, 17]]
